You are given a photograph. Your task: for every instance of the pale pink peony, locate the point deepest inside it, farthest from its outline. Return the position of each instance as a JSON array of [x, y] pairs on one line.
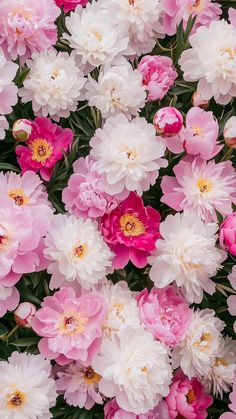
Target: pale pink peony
[[8, 90], [200, 186], [228, 234], [131, 231], [27, 26], [70, 326], [44, 148], [84, 195], [232, 16], [187, 398], [158, 75], [113, 411], [229, 132], [232, 406], [176, 10], [9, 298], [69, 5], [165, 313], [24, 314], [22, 129]]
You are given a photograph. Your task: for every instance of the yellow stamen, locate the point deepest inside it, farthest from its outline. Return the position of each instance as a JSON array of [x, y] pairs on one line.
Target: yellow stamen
[[190, 396], [16, 400], [72, 324], [19, 196], [80, 250], [221, 361], [205, 338], [41, 150], [204, 185], [131, 226], [91, 377]]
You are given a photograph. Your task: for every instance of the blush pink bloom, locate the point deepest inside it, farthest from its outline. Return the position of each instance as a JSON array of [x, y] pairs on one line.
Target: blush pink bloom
[[131, 231], [232, 405], [27, 26], [165, 313], [176, 10], [158, 75], [8, 90], [187, 398], [70, 326], [200, 186], [232, 16], [113, 411], [84, 195], [69, 5], [44, 148], [9, 299], [228, 234]]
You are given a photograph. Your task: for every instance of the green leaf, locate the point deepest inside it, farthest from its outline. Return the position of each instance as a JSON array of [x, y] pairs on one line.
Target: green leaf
[[24, 342]]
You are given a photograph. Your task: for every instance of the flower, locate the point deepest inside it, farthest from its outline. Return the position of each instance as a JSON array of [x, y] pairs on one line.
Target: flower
[[201, 187], [168, 121], [164, 313], [26, 388], [8, 90], [230, 132], [113, 411], [174, 11], [232, 16], [84, 195], [232, 406], [44, 148], [129, 369], [186, 254], [69, 5], [158, 75], [216, 77], [94, 36], [24, 314], [9, 299], [197, 352], [228, 234], [131, 231], [53, 84], [22, 129], [197, 100], [118, 90], [79, 385], [3, 126], [76, 251], [27, 27], [187, 398], [131, 165], [70, 325]]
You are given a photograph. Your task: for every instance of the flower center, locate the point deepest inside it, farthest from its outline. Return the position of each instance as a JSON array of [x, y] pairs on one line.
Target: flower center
[[231, 52], [16, 400], [3, 237], [190, 396], [131, 226], [204, 185], [221, 361], [19, 196], [22, 22], [41, 150], [131, 2], [80, 250], [90, 376], [197, 6], [72, 324], [97, 35], [204, 341], [197, 131]]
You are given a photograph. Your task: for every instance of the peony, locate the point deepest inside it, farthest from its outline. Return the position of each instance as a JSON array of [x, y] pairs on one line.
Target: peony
[[79, 385], [53, 84], [128, 365], [69, 5], [158, 75], [131, 165], [168, 122], [131, 231], [22, 129], [84, 196], [232, 16], [216, 77], [197, 100], [186, 254], [76, 251], [164, 313], [3, 126], [9, 298], [201, 187], [230, 132], [113, 411], [197, 352], [27, 26], [44, 148], [118, 90], [232, 406], [8, 90], [24, 314], [27, 390], [228, 234], [187, 398], [70, 326]]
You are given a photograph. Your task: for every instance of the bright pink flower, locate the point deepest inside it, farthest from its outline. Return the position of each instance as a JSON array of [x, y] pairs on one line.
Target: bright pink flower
[[165, 313], [228, 234], [69, 5], [176, 10], [27, 26], [158, 75], [84, 196], [71, 326], [131, 231], [44, 148], [187, 398], [113, 411], [232, 406], [24, 314], [9, 299], [168, 122]]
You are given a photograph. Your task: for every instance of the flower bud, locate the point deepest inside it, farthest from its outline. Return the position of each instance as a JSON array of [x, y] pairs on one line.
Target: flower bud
[[228, 234], [230, 132], [22, 130], [24, 314], [197, 100], [168, 121]]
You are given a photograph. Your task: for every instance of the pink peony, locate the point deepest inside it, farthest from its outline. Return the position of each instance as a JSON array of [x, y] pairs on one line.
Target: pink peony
[[228, 234], [168, 122], [232, 16], [71, 326], [84, 195], [113, 411], [9, 298], [165, 313], [27, 26], [232, 406], [229, 132], [131, 231], [158, 75], [24, 314], [187, 398], [69, 5], [176, 10], [44, 148], [197, 100], [8, 90]]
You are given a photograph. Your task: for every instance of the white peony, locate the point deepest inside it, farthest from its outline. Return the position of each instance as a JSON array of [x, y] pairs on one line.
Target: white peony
[[197, 352], [212, 63], [53, 84], [187, 255], [119, 89], [128, 155], [135, 369], [77, 252]]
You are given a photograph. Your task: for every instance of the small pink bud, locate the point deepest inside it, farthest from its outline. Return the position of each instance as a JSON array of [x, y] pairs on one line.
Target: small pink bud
[[197, 100], [24, 314], [22, 129], [168, 121], [230, 132]]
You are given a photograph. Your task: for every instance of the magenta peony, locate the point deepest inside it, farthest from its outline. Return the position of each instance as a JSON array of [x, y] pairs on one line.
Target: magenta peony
[[168, 122], [69, 5], [228, 234]]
